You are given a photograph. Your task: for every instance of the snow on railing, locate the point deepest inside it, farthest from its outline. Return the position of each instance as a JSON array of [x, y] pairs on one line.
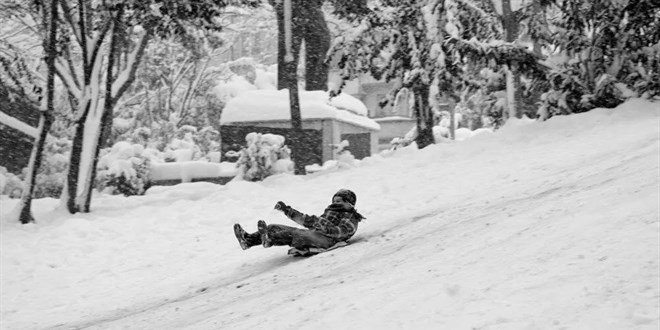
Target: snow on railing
[[191, 171]]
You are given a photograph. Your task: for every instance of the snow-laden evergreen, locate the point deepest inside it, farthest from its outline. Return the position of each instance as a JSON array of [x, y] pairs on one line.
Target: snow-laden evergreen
[[539, 225]]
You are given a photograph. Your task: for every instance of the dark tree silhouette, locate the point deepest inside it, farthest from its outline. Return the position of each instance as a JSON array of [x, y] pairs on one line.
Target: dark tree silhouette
[[308, 25]]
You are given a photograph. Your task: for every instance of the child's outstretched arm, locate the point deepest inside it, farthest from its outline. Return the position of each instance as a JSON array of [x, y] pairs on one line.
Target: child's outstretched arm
[[307, 221], [343, 230]]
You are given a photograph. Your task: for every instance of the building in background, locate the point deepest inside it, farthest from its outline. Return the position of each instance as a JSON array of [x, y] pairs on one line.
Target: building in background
[[326, 122], [394, 121]]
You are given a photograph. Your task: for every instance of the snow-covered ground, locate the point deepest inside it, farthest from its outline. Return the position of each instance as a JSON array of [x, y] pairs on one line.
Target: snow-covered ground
[[550, 225]]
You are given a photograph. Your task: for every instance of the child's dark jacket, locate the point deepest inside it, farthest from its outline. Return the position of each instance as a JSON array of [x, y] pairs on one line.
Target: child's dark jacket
[[337, 222]]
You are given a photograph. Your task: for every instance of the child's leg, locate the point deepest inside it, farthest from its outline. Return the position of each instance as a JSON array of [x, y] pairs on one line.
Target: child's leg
[[303, 239], [280, 234], [253, 238], [246, 240], [277, 235], [295, 237]]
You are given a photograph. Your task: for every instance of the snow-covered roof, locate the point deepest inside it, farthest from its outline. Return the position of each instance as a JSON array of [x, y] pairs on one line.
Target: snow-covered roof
[[271, 105]]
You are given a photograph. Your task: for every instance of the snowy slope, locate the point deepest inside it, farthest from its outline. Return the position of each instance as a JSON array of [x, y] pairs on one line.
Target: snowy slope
[[551, 225]]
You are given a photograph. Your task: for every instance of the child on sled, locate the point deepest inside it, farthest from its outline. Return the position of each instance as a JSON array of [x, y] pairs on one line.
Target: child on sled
[[338, 223]]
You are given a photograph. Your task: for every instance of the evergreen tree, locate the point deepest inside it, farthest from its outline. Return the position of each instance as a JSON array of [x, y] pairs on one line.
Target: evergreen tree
[[428, 47], [607, 51]]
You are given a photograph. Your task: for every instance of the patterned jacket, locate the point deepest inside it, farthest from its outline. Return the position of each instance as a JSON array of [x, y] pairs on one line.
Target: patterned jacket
[[336, 222]]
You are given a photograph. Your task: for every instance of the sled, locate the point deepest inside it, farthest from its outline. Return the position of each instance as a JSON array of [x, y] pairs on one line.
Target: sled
[[314, 251]]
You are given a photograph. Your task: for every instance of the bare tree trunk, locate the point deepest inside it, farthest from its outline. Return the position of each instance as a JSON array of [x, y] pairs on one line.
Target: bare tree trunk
[[45, 122], [306, 22], [160, 111], [94, 117], [101, 118], [148, 108], [510, 23], [310, 25], [512, 101], [294, 99], [109, 101], [25, 213], [452, 120], [85, 104], [317, 42], [424, 117], [288, 77], [198, 74], [297, 132], [74, 163]]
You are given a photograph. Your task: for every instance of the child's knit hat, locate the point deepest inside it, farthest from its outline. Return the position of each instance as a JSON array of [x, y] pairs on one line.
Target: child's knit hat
[[347, 196]]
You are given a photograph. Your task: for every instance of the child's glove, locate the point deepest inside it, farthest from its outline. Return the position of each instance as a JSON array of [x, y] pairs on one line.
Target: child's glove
[[280, 206]]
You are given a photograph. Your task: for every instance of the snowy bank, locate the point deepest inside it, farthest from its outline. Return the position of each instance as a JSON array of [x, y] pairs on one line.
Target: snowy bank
[[191, 171], [544, 225]]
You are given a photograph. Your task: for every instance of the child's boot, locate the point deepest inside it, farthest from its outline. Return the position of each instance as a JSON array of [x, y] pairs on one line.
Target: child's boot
[[263, 231], [240, 236]]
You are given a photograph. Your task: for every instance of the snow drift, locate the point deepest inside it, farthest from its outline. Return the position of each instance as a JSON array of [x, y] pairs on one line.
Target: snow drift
[[542, 225]]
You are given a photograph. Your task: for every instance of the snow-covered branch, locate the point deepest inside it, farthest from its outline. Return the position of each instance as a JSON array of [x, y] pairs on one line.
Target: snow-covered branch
[[185, 104], [15, 33], [67, 13], [96, 81], [18, 125], [72, 67], [470, 4], [67, 78], [181, 73], [133, 59], [30, 25], [95, 44], [502, 53]]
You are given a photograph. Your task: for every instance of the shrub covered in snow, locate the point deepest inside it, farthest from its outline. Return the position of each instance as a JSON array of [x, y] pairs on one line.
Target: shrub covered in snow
[[50, 176], [183, 146], [208, 142], [343, 159], [344, 156], [53, 170], [264, 155], [406, 140], [124, 169], [440, 133], [10, 184]]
